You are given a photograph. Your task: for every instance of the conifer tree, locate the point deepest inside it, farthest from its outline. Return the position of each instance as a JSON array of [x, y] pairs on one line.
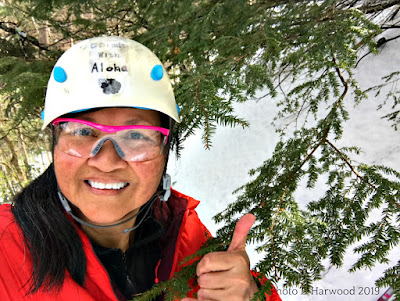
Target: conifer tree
[[219, 53]]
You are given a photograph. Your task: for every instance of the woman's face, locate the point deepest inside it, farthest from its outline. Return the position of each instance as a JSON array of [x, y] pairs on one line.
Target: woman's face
[[107, 206]]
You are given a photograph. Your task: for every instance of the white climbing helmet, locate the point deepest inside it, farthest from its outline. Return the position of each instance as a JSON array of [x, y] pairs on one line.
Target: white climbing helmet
[[108, 71]]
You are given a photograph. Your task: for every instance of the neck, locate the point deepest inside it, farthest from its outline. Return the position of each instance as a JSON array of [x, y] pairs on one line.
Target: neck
[[114, 236], [107, 235], [111, 237]]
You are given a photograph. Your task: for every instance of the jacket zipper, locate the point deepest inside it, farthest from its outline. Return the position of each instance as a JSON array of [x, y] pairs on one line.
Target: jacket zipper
[[125, 261]]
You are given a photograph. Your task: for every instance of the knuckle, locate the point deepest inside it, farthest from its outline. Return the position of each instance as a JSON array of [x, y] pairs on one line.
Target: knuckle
[[201, 294], [207, 258], [202, 280], [206, 261]]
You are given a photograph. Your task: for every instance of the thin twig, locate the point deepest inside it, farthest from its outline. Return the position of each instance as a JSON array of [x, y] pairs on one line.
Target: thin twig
[[345, 160], [205, 112], [393, 202], [25, 37]]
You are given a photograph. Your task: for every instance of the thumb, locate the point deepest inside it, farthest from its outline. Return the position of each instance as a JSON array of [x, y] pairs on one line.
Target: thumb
[[242, 228]]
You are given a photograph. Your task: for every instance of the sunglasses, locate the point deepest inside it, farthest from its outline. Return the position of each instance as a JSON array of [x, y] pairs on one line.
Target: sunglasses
[[84, 139]]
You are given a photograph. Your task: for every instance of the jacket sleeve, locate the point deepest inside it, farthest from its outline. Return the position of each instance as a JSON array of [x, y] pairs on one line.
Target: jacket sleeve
[[261, 280]]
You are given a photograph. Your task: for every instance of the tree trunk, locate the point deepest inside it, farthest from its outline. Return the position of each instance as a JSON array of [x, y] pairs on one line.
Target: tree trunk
[[9, 186], [44, 33], [14, 160], [27, 166]]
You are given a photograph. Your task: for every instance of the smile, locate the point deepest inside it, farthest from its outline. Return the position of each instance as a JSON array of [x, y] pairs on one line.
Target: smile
[[99, 185]]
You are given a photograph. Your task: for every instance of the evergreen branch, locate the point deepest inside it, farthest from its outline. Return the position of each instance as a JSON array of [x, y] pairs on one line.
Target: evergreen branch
[[122, 19], [344, 82], [305, 104], [18, 8], [393, 202], [25, 37], [207, 134], [367, 258], [280, 81], [234, 58], [390, 39], [370, 8], [72, 34], [344, 159], [339, 226], [309, 156], [294, 173], [14, 127], [322, 141], [380, 43], [390, 26]]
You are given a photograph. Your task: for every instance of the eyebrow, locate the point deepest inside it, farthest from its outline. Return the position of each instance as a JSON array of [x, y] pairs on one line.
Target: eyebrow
[[134, 121], [129, 122]]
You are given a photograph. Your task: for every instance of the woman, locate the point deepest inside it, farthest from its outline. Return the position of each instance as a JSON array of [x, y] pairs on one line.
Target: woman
[[102, 223]]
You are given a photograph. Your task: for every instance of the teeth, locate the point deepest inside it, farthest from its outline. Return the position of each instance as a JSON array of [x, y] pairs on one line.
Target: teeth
[[99, 185]]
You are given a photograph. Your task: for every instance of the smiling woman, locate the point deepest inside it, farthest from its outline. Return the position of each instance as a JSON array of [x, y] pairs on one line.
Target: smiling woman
[[102, 222], [84, 179]]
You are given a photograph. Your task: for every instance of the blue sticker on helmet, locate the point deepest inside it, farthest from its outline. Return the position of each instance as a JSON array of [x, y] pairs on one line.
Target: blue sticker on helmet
[[157, 72], [59, 74]]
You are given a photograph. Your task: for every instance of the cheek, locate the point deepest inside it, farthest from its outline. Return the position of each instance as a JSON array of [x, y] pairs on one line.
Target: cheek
[[65, 168], [149, 173]]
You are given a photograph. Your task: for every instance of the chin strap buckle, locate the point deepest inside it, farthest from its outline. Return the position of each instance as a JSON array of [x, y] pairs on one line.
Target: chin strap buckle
[[64, 202], [166, 182]]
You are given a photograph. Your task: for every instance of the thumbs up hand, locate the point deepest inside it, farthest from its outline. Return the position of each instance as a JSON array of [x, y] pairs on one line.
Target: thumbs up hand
[[226, 275]]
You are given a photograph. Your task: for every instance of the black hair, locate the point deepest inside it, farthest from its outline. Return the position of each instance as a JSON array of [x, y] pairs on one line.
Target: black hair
[[53, 243]]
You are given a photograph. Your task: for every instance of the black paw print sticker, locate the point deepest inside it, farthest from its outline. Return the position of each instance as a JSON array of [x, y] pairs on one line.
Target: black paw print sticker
[[109, 85]]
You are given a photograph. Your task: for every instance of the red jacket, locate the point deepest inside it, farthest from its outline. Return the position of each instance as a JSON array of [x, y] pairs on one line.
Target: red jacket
[[16, 266]]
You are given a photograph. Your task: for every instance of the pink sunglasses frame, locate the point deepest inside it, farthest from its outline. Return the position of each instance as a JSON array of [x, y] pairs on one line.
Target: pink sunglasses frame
[[115, 128]]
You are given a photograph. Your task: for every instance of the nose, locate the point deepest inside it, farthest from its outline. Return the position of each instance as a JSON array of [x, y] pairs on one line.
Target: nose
[[107, 156]]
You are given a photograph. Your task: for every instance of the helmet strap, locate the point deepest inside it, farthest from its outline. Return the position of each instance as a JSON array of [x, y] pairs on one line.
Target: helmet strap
[[146, 208], [166, 186]]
